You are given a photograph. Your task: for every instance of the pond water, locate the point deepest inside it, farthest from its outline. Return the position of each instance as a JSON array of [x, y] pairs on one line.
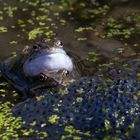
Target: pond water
[[98, 35], [92, 36]]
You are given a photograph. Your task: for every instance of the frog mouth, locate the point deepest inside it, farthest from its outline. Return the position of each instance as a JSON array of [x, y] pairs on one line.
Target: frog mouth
[[36, 88]]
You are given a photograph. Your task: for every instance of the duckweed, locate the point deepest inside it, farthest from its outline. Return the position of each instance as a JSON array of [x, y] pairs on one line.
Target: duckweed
[[33, 34], [43, 18], [82, 39], [13, 42], [10, 11], [93, 56], [81, 29], [3, 29], [125, 27], [8, 124], [53, 119]]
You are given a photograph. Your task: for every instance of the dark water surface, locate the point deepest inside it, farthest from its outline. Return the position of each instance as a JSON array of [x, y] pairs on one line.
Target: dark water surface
[[81, 29]]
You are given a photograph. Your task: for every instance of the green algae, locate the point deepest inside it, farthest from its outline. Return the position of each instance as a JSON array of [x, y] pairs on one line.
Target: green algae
[[10, 10], [74, 133], [53, 119], [123, 28], [13, 127], [13, 42], [3, 29], [9, 125], [93, 56], [81, 29], [40, 23]]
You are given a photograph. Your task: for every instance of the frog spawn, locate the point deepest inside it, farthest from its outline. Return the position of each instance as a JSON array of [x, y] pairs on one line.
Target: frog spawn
[[89, 104], [134, 64], [129, 72], [121, 73]]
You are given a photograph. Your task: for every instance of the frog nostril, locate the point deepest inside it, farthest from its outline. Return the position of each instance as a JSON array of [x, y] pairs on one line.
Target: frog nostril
[[42, 77], [36, 47]]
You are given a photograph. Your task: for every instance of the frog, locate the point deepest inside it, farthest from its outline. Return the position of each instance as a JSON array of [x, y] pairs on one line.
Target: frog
[[45, 64]]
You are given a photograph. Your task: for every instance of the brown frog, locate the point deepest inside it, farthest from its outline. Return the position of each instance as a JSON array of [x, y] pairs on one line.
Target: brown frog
[[45, 64]]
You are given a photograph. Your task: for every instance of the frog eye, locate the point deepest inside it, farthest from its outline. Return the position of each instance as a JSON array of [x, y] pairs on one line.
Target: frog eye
[[42, 77], [60, 44], [36, 47]]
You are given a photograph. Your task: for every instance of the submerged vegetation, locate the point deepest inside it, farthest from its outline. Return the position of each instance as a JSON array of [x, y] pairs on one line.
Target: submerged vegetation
[[93, 29]]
